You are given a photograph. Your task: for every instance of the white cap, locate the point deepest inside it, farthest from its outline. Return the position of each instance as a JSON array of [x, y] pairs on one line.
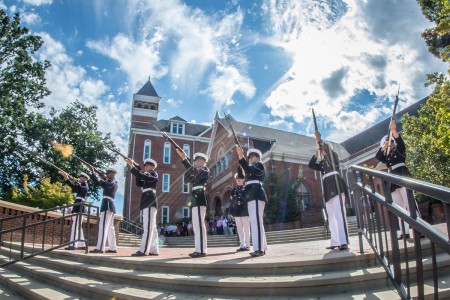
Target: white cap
[[383, 140], [111, 170], [82, 174], [201, 155], [150, 161], [254, 151]]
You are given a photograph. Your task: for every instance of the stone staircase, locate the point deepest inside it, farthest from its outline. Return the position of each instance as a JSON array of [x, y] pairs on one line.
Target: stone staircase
[[300, 270], [273, 237]]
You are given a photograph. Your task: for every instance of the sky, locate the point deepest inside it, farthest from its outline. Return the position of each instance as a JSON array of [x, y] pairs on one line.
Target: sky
[[265, 62]]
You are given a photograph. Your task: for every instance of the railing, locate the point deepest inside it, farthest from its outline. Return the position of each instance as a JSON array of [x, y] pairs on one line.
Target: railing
[[130, 226], [33, 228], [377, 214]]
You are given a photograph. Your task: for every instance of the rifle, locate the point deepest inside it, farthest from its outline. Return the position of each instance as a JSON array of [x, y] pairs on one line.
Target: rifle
[[168, 138], [50, 164], [392, 118], [124, 157], [91, 167], [319, 156], [232, 130]]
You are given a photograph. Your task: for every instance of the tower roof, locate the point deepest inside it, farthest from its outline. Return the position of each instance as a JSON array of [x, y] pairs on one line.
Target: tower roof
[[148, 90]]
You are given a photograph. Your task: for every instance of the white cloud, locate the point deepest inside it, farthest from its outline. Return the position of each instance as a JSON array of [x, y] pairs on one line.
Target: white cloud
[[38, 2], [174, 103], [337, 52]]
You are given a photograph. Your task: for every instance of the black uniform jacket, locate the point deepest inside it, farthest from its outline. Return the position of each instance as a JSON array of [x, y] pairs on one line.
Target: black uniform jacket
[[397, 156], [254, 191], [238, 205], [80, 189], [332, 184], [146, 180], [198, 177], [109, 190]]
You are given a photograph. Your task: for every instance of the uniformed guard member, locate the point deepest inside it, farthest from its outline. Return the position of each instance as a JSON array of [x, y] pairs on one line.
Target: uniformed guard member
[[80, 188], [255, 196], [147, 180], [239, 210], [335, 190], [198, 175], [395, 158], [106, 230]]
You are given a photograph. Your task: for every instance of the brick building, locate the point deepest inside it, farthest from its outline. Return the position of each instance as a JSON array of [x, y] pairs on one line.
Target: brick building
[[291, 149]]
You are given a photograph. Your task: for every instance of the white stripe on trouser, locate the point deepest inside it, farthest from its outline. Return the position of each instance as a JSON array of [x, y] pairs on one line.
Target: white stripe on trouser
[[106, 231], [243, 230], [198, 223], [149, 241], [74, 231], [336, 221], [254, 224], [400, 197]]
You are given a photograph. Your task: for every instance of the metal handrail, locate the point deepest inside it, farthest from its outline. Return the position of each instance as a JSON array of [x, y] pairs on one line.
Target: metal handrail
[[377, 214], [130, 226], [26, 227]]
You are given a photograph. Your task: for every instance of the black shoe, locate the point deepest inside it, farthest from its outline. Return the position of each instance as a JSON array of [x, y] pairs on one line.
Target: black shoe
[[243, 249], [343, 247], [332, 247], [422, 236], [197, 254], [258, 253], [111, 251], [81, 248], [401, 236], [70, 248], [139, 253], [153, 254], [96, 251]]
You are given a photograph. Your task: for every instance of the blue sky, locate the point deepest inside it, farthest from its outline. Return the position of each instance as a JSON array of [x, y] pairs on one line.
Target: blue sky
[[266, 62]]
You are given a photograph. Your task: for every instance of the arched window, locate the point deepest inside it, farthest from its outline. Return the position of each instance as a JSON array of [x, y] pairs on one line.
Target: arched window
[[166, 158], [304, 197], [147, 149]]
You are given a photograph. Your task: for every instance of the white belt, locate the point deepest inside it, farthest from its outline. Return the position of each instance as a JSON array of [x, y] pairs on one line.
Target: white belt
[[198, 187], [331, 173], [108, 197], [149, 189], [397, 166], [79, 198], [253, 181]]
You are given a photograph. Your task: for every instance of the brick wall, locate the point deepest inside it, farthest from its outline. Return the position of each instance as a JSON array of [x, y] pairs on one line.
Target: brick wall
[[50, 225]]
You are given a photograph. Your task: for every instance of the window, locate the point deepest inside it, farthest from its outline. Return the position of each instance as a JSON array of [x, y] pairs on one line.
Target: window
[[185, 189], [304, 197], [165, 215], [147, 149], [185, 213], [166, 158], [177, 128], [187, 150], [166, 183]]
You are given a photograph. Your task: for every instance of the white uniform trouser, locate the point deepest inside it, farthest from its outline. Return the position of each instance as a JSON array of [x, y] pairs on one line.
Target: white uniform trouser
[[198, 225], [74, 231], [106, 231], [243, 230], [149, 241], [256, 214], [400, 197], [336, 221]]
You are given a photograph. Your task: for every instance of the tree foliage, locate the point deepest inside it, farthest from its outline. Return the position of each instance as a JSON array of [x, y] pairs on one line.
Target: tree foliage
[[43, 196], [24, 128], [283, 204], [22, 86]]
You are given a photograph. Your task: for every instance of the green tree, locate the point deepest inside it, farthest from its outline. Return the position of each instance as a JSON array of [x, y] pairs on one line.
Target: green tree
[[22, 86], [283, 204], [428, 134], [45, 195]]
